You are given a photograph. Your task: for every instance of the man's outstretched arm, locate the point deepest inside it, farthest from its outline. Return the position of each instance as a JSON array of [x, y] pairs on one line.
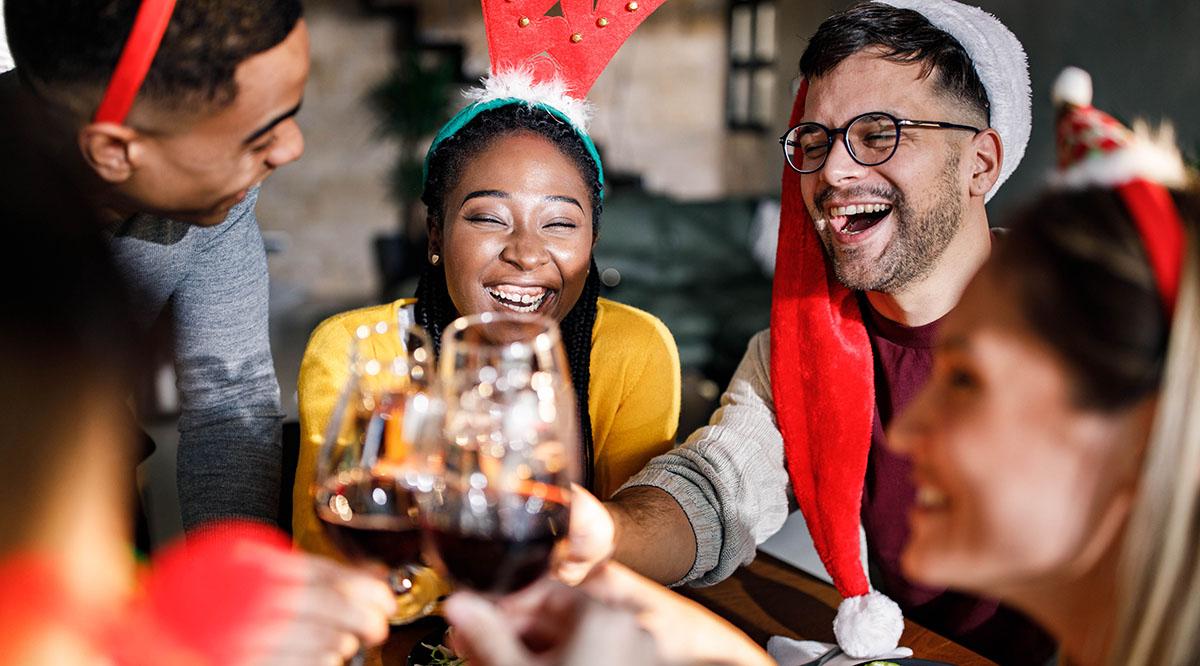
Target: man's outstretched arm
[[698, 512]]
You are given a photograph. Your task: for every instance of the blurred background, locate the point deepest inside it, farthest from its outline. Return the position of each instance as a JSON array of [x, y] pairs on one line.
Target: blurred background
[[687, 119]]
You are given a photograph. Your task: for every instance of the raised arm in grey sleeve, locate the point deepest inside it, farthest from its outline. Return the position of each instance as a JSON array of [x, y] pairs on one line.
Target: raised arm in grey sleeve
[[730, 476], [229, 453]]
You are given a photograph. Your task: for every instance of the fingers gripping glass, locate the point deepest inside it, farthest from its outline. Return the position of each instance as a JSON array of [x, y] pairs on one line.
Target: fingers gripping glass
[[871, 139]]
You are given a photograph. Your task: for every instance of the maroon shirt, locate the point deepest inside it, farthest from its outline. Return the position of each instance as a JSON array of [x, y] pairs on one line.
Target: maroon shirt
[[903, 362]]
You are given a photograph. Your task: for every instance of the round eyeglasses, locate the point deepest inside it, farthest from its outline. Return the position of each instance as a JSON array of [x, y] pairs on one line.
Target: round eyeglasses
[[871, 139]]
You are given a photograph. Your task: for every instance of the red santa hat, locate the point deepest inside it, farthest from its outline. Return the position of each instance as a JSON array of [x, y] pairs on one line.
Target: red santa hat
[[1097, 150], [822, 371]]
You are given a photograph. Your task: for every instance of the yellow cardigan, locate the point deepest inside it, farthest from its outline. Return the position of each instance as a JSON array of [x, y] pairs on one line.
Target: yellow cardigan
[[633, 397]]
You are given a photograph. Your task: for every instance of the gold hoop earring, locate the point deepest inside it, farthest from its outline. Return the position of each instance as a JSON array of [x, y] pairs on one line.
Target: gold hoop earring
[[434, 259]]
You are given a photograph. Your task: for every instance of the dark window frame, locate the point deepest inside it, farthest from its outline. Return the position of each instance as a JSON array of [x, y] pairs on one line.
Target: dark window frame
[[747, 68]]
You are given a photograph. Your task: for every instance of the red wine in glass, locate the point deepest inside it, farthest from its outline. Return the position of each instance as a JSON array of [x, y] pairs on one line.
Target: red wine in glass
[[498, 553], [370, 517]]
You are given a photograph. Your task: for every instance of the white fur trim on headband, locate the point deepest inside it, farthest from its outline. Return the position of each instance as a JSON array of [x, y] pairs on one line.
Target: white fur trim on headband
[[1001, 64], [1151, 156], [518, 83]]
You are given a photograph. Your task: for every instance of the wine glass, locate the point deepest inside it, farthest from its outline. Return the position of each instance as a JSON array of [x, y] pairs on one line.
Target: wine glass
[[495, 492], [368, 463]]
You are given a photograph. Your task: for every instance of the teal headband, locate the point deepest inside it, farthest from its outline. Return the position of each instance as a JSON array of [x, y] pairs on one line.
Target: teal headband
[[462, 118]]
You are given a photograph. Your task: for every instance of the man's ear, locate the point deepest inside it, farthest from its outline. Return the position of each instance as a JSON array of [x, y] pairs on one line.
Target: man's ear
[[986, 159], [110, 150]]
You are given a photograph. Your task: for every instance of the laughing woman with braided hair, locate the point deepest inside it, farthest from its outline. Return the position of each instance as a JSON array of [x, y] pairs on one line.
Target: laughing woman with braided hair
[[514, 193]]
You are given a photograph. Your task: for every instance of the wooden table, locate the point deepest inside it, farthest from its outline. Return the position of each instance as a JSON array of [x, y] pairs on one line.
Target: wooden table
[[766, 598], [772, 598]]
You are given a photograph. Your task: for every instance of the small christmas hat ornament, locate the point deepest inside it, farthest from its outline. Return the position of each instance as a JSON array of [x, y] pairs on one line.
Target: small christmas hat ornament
[[1097, 150], [822, 368], [549, 62]]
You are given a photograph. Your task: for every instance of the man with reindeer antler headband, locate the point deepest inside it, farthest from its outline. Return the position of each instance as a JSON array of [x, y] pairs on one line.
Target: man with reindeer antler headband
[[167, 117], [159, 120]]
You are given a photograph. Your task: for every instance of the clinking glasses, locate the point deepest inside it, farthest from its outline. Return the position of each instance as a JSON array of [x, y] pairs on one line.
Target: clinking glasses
[[871, 139]]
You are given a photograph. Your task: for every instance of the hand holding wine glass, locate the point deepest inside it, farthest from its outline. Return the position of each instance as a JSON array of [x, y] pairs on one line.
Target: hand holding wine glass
[[614, 617], [317, 610], [548, 623]]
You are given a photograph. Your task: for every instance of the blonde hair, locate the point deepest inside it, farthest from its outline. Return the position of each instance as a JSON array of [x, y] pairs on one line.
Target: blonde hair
[[1158, 585]]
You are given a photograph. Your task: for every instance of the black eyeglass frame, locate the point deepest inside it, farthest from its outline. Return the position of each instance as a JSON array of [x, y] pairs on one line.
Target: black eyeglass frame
[[830, 134]]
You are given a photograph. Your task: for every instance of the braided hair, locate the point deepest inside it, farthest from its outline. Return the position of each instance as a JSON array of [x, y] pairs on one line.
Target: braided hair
[[435, 310]]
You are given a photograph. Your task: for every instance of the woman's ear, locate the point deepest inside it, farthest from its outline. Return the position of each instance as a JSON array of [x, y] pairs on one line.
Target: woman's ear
[[434, 250], [110, 150]]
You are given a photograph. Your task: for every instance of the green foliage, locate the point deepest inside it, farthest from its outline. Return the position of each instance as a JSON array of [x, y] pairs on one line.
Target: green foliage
[[412, 103], [442, 656]]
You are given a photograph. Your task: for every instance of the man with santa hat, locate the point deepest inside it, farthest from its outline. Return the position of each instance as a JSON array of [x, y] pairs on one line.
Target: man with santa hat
[[911, 115]]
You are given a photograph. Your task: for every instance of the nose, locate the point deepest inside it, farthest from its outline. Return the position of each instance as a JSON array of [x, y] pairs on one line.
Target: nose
[[524, 249], [289, 144], [910, 429], [840, 168]]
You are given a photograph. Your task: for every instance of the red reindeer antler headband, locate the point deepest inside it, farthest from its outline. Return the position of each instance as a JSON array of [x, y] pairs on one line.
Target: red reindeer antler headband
[[579, 44], [140, 48], [549, 62]]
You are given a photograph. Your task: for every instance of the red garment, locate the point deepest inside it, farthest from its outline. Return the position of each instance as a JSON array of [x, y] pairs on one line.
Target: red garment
[[195, 604]]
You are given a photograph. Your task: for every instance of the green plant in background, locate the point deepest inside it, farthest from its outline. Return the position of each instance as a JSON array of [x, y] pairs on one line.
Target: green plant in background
[[442, 656], [412, 103]]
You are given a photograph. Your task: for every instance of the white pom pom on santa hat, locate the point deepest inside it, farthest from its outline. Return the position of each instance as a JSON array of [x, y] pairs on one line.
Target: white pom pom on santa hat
[[868, 625], [1073, 86], [1097, 150]]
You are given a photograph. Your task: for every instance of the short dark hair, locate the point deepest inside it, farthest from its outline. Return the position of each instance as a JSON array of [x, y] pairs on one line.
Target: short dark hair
[[904, 36], [68, 49], [1082, 278], [435, 310]]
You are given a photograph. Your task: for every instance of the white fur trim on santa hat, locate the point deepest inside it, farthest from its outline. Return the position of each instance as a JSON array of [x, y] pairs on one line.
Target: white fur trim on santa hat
[[518, 83], [1151, 155], [1001, 65], [868, 625]]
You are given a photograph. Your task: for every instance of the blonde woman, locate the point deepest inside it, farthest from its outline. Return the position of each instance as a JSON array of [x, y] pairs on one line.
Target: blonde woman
[[1056, 448]]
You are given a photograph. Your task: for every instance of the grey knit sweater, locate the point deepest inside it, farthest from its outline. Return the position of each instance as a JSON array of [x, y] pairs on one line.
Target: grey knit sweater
[[215, 280], [730, 476]]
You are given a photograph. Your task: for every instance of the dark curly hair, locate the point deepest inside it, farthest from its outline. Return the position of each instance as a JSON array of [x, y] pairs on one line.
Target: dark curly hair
[[904, 36], [434, 308], [68, 49]]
